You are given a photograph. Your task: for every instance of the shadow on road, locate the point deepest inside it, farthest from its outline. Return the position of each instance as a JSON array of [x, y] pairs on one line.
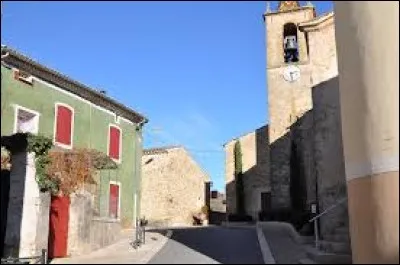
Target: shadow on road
[[224, 245]]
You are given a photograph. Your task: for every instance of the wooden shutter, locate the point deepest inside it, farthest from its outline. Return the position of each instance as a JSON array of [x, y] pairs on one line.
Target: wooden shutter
[[114, 200], [64, 125], [114, 144]]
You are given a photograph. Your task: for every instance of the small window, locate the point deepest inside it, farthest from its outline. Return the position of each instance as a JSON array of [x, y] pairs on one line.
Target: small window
[[64, 122], [114, 203], [114, 144], [26, 121]]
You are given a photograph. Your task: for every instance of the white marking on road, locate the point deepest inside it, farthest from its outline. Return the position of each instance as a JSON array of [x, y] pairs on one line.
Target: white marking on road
[[265, 250]]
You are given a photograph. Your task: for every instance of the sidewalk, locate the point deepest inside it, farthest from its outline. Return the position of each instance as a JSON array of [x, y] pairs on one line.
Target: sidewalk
[[121, 252]]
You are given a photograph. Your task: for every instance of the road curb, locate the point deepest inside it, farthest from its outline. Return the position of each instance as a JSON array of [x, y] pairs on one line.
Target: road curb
[[157, 248], [265, 250]]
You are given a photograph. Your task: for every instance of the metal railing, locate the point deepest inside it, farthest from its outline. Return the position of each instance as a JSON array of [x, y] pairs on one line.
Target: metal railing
[[42, 259], [315, 219]]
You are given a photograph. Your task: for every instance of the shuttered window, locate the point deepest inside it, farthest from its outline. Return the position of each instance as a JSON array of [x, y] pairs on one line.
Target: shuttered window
[[114, 145], [114, 201], [64, 125]]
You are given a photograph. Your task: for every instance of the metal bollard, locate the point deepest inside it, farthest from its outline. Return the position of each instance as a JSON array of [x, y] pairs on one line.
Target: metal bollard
[[144, 235], [44, 256], [316, 234]]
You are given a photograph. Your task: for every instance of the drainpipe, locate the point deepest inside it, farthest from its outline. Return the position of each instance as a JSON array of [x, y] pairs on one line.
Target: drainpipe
[[141, 124], [137, 166]]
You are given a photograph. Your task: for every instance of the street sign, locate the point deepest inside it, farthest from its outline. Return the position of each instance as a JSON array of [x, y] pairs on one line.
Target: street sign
[[313, 208]]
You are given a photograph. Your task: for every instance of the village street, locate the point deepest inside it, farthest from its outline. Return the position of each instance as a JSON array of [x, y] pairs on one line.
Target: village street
[[197, 245], [213, 245]]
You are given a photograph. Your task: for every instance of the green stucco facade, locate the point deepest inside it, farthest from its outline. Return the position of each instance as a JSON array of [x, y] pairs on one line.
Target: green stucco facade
[[91, 125]]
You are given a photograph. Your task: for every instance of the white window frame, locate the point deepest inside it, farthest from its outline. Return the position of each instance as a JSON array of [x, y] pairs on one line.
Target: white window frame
[[118, 183], [57, 104], [37, 116], [109, 143]]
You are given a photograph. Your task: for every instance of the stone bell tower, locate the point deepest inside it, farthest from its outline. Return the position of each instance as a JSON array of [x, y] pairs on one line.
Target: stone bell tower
[[290, 103]]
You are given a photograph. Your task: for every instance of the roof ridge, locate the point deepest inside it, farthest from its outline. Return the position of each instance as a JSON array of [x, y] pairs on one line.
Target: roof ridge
[[245, 134], [35, 63], [160, 150]]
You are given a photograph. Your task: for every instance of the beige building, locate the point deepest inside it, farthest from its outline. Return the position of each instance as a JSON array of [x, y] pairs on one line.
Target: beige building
[[368, 56], [333, 143], [255, 158], [174, 187]]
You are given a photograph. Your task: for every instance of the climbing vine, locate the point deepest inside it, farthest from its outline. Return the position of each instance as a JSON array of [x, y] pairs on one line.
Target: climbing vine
[[5, 159], [40, 146], [240, 205], [72, 169], [58, 171]]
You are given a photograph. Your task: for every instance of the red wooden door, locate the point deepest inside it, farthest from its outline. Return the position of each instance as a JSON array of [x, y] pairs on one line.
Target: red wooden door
[[114, 201], [58, 226]]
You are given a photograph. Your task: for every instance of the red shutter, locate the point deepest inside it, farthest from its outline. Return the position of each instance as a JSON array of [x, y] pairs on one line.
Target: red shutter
[[64, 125], [114, 144], [114, 199]]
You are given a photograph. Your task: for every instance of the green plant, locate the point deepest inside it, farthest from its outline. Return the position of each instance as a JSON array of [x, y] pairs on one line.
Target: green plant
[[40, 146], [238, 158], [204, 210], [240, 205], [5, 159]]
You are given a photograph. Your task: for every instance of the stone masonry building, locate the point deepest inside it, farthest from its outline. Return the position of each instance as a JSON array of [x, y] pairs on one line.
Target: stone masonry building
[[174, 187], [305, 139], [255, 162]]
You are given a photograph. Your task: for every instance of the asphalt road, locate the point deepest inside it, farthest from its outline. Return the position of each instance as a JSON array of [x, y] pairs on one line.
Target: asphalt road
[[210, 245]]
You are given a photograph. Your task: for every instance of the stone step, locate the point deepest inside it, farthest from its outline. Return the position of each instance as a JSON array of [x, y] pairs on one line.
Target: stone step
[[335, 247], [307, 261], [320, 257]]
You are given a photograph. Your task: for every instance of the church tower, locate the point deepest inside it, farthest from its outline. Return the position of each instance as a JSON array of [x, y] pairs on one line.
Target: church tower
[[289, 97]]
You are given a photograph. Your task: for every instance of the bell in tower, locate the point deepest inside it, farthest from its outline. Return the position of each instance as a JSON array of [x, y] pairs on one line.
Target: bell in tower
[[290, 46]]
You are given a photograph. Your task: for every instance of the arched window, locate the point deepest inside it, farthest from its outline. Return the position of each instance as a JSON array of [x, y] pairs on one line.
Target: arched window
[[290, 47]]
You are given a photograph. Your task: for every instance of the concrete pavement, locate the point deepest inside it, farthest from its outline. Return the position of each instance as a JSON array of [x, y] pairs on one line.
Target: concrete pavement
[[121, 252], [184, 245]]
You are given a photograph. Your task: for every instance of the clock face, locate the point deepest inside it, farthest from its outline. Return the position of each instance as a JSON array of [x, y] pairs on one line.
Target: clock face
[[291, 73]]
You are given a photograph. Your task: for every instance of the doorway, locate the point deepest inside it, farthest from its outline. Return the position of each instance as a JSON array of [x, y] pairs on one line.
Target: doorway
[[58, 226]]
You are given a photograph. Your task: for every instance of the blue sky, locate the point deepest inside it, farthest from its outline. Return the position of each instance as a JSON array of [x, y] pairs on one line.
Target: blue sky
[[195, 69]]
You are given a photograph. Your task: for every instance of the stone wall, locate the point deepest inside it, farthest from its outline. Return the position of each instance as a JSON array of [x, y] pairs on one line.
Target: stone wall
[[255, 166], [306, 114], [86, 232], [328, 146], [173, 187]]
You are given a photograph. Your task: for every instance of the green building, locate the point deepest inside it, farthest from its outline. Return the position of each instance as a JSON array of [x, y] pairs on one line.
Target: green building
[[40, 100]]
